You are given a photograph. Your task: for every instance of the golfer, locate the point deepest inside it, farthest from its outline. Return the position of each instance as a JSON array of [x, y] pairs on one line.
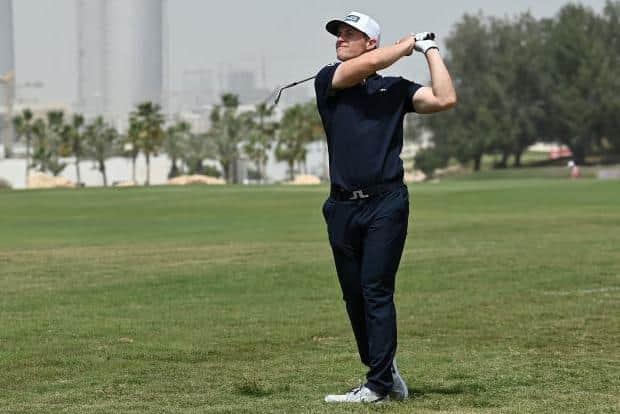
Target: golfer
[[368, 207]]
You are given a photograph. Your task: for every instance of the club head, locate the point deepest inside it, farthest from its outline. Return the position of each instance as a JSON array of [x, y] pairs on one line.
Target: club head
[[290, 85], [275, 102]]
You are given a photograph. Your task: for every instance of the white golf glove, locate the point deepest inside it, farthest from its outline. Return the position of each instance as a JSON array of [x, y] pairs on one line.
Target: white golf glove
[[424, 41]]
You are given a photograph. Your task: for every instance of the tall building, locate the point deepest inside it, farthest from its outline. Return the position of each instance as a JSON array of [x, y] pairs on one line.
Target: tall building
[[91, 57], [240, 81], [243, 84], [198, 88], [120, 56], [7, 74]]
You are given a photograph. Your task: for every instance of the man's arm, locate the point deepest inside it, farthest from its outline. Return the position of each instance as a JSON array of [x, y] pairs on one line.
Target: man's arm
[[353, 71], [441, 95]]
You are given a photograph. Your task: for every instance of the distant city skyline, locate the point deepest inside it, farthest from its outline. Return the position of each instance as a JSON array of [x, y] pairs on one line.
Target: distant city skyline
[[279, 41]]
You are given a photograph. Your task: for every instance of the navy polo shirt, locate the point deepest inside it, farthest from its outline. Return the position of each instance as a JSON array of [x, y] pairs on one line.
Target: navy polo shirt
[[364, 127]]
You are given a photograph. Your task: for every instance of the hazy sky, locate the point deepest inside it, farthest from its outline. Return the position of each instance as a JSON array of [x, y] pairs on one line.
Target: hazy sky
[[287, 35]]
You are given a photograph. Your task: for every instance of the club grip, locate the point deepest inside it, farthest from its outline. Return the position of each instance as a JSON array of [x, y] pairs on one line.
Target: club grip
[[423, 36]]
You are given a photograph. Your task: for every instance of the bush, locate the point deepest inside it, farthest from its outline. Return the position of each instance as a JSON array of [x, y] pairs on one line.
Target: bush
[[428, 160], [4, 184], [253, 174], [211, 171]]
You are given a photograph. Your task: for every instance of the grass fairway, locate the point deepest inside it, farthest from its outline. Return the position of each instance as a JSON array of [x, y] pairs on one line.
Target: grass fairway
[[225, 300]]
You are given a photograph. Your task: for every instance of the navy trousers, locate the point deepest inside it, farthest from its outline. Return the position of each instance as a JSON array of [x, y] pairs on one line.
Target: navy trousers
[[367, 237]]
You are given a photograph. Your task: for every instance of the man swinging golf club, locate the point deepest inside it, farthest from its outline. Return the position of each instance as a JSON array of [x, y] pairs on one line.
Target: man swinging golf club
[[368, 207]]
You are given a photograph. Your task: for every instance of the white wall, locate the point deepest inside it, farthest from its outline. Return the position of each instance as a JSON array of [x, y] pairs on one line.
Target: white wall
[[119, 169]]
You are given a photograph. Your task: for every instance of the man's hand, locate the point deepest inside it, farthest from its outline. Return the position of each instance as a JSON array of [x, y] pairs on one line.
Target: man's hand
[[410, 40], [424, 41]]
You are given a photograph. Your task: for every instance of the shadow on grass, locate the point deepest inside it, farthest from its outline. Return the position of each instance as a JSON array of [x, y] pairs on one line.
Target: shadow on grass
[[468, 394], [252, 387], [457, 388]]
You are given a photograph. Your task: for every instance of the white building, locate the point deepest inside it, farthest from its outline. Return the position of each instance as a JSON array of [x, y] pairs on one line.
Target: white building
[[91, 57], [120, 56], [7, 72]]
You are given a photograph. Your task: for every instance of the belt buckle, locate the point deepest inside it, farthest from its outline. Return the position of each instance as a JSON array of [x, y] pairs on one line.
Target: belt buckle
[[357, 194]]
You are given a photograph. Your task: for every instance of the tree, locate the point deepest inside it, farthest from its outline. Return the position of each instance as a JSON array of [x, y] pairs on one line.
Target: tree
[[611, 82], [73, 137], [101, 140], [131, 144], [48, 143], [39, 154], [299, 126], [24, 125], [517, 109], [197, 149], [428, 160], [260, 136], [175, 144], [225, 133], [412, 129], [582, 79], [57, 148], [468, 131], [524, 80], [148, 123]]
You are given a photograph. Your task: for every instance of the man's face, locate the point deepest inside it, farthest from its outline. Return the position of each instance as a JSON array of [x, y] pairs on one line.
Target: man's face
[[351, 43]]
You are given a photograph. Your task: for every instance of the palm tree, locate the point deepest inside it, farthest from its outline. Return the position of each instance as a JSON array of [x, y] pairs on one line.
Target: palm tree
[[73, 137], [197, 149], [177, 138], [150, 121], [56, 146], [131, 144], [300, 125], [48, 143], [24, 129], [39, 154], [225, 131], [260, 136], [101, 139]]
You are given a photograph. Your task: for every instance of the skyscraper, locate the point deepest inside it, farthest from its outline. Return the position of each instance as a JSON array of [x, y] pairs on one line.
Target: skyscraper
[[7, 74], [120, 56]]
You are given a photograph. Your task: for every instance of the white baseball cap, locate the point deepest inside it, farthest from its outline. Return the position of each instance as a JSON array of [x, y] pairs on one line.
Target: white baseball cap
[[360, 21]]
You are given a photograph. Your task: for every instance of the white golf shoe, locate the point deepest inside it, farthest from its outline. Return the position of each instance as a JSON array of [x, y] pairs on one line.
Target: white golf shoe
[[360, 394], [399, 391]]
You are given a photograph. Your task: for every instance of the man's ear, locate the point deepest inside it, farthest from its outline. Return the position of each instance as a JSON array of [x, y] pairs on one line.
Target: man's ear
[[371, 44]]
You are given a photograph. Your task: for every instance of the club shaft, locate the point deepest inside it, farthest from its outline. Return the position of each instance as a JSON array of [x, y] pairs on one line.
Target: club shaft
[[290, 85]]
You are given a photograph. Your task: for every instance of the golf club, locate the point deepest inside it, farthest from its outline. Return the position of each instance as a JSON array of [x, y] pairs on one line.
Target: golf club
[[290, 85], [418, 37]]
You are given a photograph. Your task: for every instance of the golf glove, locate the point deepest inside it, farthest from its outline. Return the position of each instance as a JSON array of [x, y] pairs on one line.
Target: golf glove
[[424, 41]]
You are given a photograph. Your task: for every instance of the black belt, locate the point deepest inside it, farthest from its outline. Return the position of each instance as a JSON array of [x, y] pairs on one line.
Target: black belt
[[341, 194]]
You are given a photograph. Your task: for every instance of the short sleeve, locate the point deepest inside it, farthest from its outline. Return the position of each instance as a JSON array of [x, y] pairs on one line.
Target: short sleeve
[[410, 89], [323, 81]]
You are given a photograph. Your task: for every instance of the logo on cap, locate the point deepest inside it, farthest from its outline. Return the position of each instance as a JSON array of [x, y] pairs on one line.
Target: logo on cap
[[352, 18]]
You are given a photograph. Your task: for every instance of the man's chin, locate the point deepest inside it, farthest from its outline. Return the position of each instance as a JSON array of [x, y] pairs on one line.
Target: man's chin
[[343, 57]]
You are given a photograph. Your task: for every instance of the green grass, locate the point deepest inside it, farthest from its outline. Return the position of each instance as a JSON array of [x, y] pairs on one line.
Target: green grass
[[524, 173], [203, 299]]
